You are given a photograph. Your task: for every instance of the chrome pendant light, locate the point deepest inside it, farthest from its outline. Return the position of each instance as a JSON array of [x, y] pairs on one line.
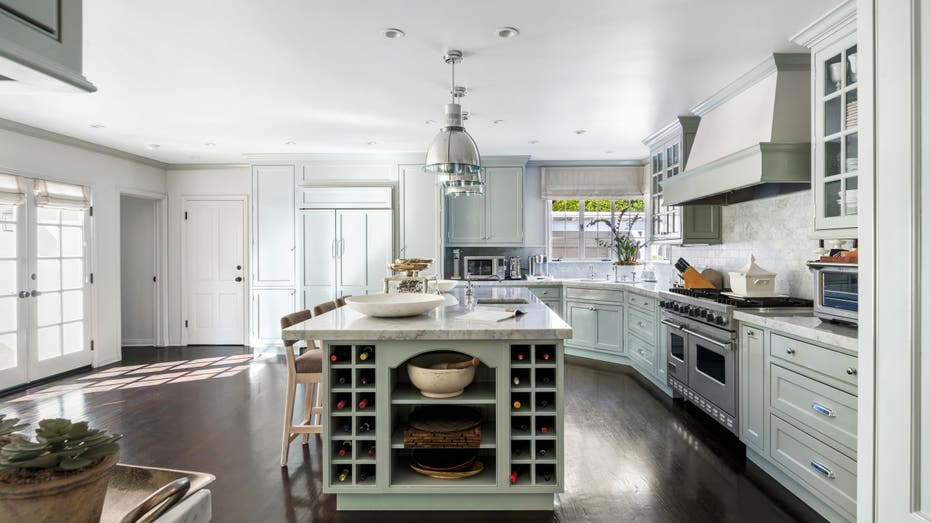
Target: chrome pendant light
[[453, 155]]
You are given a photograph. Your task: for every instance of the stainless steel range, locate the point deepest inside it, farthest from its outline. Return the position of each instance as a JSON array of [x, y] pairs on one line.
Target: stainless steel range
[[701, 346]]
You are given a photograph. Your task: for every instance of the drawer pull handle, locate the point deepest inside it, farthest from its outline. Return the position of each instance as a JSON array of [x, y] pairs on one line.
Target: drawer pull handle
[[821, 409], [851, 371], [790, 350], [824, 471]]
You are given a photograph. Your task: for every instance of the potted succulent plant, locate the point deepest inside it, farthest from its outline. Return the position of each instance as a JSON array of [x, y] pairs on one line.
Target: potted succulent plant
[[62, 474], [625, 246]]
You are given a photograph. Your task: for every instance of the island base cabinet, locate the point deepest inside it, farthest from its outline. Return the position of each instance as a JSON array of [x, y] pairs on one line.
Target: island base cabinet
[[369, 398]]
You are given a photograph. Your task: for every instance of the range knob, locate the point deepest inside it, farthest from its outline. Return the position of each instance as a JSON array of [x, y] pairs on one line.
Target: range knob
[[694, 312], [675, 307], [704, 313], [719, 320], [662, 305]]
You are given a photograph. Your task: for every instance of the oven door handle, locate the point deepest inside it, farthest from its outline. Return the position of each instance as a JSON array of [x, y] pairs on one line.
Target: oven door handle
[[673, 325], [726, 346]]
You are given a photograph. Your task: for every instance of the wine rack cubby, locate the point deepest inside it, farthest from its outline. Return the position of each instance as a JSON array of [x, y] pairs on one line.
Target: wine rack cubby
[[534, 415], [351, 406]]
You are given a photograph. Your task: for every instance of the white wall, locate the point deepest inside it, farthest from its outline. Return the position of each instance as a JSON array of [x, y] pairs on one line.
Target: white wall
[[137, 267], [220, 181], [105, 175]]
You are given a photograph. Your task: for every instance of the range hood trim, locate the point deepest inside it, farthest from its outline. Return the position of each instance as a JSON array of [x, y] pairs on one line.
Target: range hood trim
[[759, 164]]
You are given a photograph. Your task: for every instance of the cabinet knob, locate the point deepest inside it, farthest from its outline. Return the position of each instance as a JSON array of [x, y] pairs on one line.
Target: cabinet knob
[[640, 324], [851, 371], [591, 308], [790, 350], [750, 333]]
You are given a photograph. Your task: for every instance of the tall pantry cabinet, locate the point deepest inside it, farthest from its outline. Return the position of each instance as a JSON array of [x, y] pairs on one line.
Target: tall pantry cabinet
[[273, 246]]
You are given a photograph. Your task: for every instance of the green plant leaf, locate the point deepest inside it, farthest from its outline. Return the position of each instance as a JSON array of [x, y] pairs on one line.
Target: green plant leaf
[[74, 464]]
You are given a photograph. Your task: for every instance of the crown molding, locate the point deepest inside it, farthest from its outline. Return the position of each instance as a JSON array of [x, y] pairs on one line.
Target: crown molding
[[682, 124], [774, 63], [205, 166], [841, 18], [372, 158], [587, 163], [50, 136]]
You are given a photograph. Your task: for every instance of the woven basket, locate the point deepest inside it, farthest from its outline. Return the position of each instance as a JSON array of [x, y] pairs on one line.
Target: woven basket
[[421, 439]]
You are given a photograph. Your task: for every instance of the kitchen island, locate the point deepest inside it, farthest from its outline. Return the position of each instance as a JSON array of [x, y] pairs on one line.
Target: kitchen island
[[522, 423]]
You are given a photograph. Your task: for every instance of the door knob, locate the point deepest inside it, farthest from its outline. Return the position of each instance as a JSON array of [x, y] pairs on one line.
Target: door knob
[[238, 278], [34, 293], [23, 294], [239, 267]]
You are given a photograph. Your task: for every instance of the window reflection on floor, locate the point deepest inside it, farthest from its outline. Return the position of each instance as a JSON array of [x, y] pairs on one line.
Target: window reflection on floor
[[137, 376]]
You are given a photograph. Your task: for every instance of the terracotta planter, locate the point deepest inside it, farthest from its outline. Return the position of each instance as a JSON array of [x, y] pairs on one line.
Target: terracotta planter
[[80, 496]]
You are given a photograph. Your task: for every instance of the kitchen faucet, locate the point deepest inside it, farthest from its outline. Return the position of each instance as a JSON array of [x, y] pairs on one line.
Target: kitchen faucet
[[591, 269]]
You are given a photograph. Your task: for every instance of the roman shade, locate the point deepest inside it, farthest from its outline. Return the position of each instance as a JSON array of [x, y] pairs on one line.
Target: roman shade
[[11, 190], [576, 183], [57, 195]]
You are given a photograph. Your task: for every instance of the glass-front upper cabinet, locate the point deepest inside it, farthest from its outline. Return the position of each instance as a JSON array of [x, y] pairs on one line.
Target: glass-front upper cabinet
[[833, 41]]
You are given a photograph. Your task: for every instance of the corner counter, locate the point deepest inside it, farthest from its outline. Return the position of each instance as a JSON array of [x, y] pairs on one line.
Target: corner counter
[[522, 430]]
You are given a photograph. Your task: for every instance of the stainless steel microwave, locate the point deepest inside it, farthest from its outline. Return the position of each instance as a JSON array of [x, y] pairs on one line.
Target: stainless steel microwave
[[484, 267], [836, 293]]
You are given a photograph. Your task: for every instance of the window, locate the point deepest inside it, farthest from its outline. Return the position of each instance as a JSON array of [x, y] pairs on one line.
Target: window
[[578, 227]]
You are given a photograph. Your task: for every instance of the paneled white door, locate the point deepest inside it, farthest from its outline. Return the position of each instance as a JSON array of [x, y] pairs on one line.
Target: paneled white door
[[214, 255], [14, 297]]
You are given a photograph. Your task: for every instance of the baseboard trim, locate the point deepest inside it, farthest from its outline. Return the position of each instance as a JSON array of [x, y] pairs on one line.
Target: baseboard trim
[[44, 381]]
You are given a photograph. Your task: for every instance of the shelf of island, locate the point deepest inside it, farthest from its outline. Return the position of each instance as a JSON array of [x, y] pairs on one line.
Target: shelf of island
[[518, 389]]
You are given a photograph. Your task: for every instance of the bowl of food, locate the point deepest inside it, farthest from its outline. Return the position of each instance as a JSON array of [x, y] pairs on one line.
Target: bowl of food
[[394, 305], [442, 374]]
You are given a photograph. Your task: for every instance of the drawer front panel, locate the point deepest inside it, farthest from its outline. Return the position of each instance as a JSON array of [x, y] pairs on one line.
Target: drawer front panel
[[642, 325], [821, 407], [644, 303], [595, 295], [826, 471], [547, 293], [642, 354], [833, 364]]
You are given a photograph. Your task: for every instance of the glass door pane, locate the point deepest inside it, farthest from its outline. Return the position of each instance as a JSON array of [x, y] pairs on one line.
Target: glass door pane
[[59, 282], [12, 368]]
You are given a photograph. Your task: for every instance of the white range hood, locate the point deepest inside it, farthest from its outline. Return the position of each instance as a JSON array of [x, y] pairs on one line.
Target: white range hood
[[754, 138]]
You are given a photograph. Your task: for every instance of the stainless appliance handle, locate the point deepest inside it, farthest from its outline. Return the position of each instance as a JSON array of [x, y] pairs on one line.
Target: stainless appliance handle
[[726, 346], [673, 325], [828, 473]]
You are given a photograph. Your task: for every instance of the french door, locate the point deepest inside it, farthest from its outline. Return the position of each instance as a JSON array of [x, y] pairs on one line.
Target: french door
[[44, 285]]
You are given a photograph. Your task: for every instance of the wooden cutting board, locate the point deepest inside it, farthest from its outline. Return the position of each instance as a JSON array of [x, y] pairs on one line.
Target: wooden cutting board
[[444, 418]]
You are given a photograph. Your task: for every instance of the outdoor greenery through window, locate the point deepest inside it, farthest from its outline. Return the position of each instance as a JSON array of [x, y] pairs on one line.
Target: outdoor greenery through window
[[577, 233]]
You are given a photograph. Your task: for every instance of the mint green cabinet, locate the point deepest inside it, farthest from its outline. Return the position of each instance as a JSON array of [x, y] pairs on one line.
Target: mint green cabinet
[[596, 326], [752, 378], [494, 218], [582, 319]]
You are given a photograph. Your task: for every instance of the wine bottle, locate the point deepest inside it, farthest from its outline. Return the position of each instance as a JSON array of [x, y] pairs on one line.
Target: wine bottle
[[521, 427], [342, 380], [546, 356], [514, 476], [334, 357], [343, 475], [366, 426], [544, 430], [371, 452], [341, 404], [364, 402], [516, 405], [365, 380], [516, 380], [347, 428], [546, 477], [520, 356], [345, 448], [517, 451], [366, 353]]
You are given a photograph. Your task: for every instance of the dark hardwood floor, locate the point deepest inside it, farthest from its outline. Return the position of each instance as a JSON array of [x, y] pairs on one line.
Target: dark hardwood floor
[[631, 454]]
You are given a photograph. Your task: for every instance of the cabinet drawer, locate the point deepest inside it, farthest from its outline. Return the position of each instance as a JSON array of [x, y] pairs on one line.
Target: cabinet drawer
[[642, 325], [825, 470], [547, 293], [644, 303], [642, 354], [595, 295], [825, 409], [833, 364]]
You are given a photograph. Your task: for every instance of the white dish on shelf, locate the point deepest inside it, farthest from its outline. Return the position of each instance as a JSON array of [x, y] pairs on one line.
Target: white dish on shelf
[[394, 305]]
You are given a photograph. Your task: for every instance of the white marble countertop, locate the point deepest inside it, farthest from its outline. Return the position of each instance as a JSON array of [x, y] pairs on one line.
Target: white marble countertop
[[444, 323], [804, 325], [641, 287]]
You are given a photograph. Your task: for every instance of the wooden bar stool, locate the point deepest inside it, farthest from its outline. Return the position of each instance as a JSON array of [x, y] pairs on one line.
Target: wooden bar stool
[[307, 369]]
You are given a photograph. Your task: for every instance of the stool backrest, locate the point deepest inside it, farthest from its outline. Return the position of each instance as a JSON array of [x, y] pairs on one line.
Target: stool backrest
[[323, 308], [341, 301], [286, 321]]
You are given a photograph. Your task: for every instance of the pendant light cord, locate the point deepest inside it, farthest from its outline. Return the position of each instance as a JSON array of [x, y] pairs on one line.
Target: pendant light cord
[[452, 89]]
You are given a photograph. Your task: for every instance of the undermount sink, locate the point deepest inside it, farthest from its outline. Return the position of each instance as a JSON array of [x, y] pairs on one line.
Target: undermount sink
[[502, 301]]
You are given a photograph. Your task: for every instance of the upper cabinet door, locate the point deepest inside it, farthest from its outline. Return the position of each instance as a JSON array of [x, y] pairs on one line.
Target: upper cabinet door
[[273, 226], [420, 214], [466, 219], [504, 204]]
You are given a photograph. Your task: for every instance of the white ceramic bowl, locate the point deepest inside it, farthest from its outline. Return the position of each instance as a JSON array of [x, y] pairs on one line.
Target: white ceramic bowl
[[394, 305], [445, 285], [440, 383]]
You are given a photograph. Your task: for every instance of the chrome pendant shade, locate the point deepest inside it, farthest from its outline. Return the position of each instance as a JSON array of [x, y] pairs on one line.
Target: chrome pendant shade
[[453, 155]]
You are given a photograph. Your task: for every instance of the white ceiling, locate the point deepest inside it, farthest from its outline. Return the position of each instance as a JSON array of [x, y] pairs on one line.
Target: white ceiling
[[249, 76]]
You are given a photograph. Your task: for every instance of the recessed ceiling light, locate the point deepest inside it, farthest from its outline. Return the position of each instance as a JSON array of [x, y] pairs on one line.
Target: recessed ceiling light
[[371, 143], [609, 152], [430, 122], [209, 144], [152, 146], [580, 131], [98, 125], [393, 33], [194, 157], [496, 122], [533, 142], [507, 32], [289, 142]]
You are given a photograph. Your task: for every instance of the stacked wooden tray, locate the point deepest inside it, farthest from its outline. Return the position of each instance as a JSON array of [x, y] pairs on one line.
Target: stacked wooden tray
[[443, 427]]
